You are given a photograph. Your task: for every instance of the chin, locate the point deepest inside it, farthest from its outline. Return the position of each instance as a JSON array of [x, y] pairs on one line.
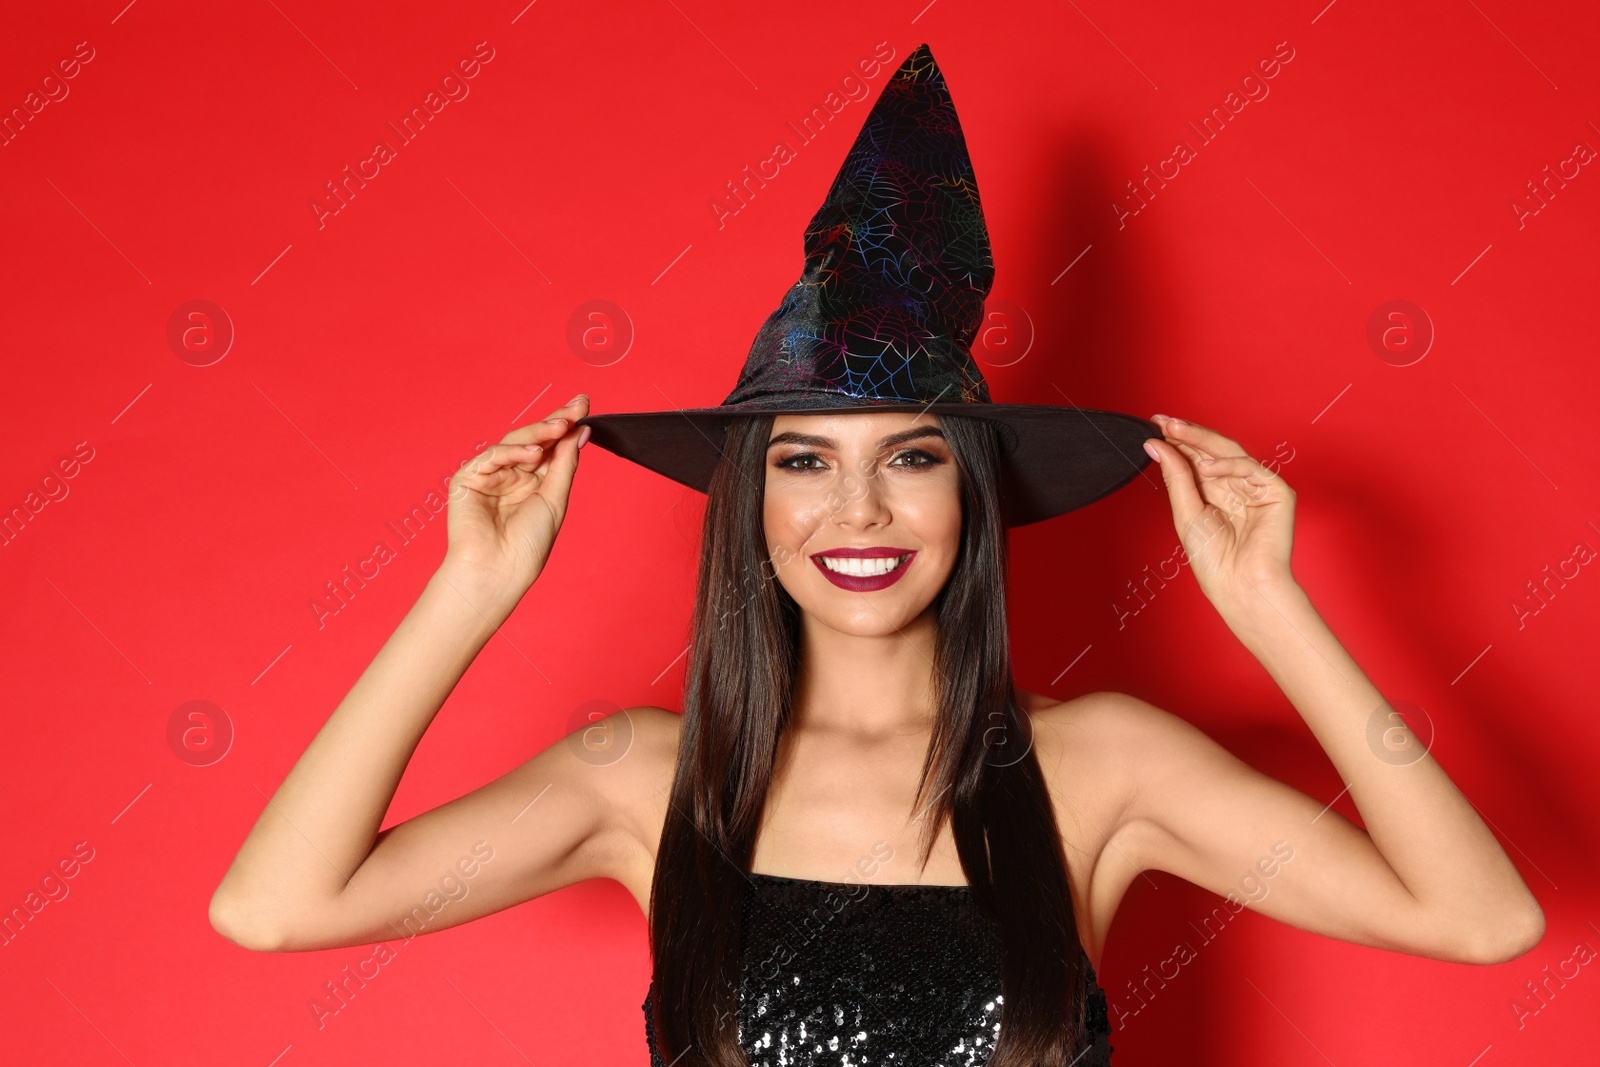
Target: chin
[[866, 624], [864, 614]]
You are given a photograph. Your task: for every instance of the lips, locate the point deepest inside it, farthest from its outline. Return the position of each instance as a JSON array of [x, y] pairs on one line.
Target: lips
[[866, 580]]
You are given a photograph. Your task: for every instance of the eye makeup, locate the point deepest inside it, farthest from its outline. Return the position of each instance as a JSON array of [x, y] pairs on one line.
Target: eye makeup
[[923, 460]]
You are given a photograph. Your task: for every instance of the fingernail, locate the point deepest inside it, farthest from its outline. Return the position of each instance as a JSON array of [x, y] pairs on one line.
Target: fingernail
[[574, 400], [583, 437], [1175, 422], [534, 448], [1158, 418], [555, 419], [1151, 449]]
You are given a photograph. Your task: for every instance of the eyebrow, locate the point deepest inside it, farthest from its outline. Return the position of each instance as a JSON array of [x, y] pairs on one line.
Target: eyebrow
[[817, 441]]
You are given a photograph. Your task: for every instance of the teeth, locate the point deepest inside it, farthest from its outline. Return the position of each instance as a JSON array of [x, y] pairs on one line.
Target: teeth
[[863, 568]]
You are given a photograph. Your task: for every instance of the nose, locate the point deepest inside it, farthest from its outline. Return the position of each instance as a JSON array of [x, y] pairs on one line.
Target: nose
[[866, 505]]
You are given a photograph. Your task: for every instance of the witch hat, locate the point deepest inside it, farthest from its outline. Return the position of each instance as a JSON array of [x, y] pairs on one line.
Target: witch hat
[[897, 266]]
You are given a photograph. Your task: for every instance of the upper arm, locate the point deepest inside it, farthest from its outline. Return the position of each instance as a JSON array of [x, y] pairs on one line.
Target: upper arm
[[1197, 811], [565, 815]]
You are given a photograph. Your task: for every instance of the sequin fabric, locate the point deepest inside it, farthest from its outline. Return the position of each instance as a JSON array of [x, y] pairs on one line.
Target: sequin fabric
[[874, 976]]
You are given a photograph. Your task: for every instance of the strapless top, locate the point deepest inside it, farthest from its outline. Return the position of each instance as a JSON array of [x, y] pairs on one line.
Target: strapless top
[[868, 975]]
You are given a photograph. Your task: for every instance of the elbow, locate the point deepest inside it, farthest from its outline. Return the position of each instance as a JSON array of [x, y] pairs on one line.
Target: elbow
[[1508, 939], [1525, 935], [242, 924]]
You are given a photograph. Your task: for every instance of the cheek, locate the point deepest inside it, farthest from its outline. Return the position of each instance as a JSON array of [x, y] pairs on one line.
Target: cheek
[[787, 531], [777, 517], [793, 516], [934, 511], [788, 525]]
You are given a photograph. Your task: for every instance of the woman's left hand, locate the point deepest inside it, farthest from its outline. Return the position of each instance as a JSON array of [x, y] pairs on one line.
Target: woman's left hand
[[1235, 518]]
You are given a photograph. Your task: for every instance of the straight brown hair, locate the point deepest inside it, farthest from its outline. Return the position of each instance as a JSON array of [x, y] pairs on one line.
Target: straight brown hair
[[980, 770]]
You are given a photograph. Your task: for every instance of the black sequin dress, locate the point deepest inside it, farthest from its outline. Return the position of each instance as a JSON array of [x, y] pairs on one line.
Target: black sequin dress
[[874, 976]]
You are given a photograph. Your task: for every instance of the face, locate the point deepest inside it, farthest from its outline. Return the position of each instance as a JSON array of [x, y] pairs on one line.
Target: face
[[874, 495]]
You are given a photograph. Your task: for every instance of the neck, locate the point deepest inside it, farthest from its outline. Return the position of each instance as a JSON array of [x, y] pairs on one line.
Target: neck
[[865, 686]]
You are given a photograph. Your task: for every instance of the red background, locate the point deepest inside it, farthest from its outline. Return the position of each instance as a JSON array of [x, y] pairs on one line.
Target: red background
[[432, 311]]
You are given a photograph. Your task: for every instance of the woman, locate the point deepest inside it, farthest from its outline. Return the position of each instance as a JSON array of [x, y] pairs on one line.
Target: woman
[[859, 839], [1134, 787]]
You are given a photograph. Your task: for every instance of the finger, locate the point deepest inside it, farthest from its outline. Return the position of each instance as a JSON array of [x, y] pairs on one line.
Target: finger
[[498, 457], [1190, 451], [560, 422], [1236, 467], [559, 469], [1201, 437], [1186, 448], [1179, 478]]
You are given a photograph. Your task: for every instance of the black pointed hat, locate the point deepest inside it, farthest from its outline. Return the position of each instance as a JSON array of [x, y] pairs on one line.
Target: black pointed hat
[[897, 266]]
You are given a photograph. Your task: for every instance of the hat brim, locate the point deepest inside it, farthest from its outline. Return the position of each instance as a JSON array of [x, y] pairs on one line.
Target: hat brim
[[1057, 459]]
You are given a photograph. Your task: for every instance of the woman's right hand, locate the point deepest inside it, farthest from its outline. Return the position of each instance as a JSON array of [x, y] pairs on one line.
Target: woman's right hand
[[507, 503]]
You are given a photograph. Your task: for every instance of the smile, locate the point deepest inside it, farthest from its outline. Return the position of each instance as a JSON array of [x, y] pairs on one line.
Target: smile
[[864, 570]]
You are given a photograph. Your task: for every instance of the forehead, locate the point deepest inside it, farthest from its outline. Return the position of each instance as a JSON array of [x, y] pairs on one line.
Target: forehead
[[853, 427]]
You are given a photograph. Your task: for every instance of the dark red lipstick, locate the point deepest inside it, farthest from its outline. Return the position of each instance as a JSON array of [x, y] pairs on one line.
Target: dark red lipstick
[[864, 583]]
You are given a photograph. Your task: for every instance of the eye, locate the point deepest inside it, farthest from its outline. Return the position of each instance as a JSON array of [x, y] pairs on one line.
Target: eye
[[915, 459], [926, 459], [793, 462]]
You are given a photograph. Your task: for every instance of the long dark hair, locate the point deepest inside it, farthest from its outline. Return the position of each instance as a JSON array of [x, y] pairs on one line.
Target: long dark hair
[[737, 696]]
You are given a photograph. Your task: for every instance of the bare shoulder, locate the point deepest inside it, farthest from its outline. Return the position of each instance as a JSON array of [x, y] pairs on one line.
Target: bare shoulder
[[1082, 742], [637, 748], [1111, 722], [1141, 759], [1088, 750], [1105, 738], [657, 728]]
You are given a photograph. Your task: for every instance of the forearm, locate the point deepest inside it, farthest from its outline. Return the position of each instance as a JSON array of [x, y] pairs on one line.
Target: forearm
[[1425, 828], [321, 823]]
